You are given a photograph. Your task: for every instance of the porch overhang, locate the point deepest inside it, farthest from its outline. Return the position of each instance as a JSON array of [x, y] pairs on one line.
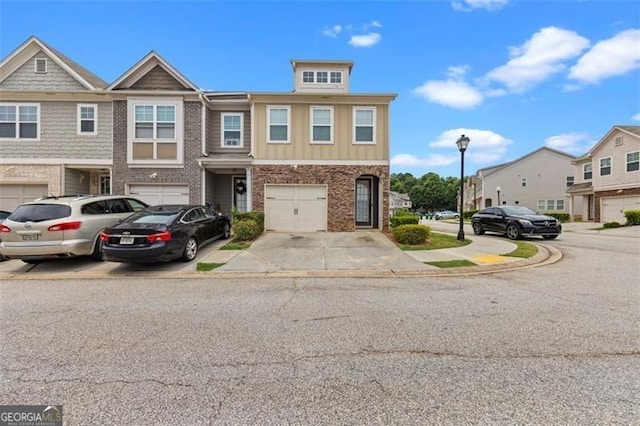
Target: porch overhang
[[225, 162], [580, 189]]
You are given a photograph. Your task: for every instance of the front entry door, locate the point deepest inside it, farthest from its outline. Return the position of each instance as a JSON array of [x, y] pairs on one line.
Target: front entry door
[[240, 193], [364, 204]]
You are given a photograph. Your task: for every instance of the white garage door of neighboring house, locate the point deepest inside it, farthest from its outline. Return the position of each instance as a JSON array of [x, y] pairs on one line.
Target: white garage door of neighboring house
[[295, 208], [12, 195], [613, 208], [160, 194]]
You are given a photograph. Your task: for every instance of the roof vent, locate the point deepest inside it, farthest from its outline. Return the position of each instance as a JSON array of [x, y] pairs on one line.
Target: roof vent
[[619, 141], [41, 65]]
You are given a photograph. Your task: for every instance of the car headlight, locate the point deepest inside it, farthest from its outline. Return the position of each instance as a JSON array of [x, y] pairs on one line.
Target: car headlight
[[525, 222]]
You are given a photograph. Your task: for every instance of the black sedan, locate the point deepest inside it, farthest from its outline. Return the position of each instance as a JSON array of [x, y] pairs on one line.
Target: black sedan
[[163, 233], [515, 222]]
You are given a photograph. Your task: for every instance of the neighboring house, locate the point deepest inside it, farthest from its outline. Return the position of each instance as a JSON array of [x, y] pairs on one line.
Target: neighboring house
[[399, 202], [537, 180], [320, 153], [55, 127], [608, 177]]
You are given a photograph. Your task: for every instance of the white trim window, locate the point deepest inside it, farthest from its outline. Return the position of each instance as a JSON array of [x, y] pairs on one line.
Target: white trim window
[[570, 181], [231, 125], [633, 161], [321, 124], [19, 121], [87, 119], [307, 77], [523, 182], [587, 171], [278, 123], [155, 131], [364, 125], [542, 204], [605, 166], [322, 77], [335, 77], [551, 205]]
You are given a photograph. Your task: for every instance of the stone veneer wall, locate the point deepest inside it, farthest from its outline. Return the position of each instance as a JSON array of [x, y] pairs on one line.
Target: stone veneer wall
[[187, 175], [614, 193], [341, 184], [33, 174]]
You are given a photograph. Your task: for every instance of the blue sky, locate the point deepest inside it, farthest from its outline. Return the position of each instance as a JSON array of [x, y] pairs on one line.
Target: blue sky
[[512, 75]]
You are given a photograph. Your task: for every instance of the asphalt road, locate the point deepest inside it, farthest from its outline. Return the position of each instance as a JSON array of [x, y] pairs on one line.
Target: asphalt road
[[558, 344]]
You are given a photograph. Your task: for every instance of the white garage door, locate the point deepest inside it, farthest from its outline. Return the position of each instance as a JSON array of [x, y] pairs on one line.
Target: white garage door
[[160, 194], [613, 208], [295, 208], [12, 195]]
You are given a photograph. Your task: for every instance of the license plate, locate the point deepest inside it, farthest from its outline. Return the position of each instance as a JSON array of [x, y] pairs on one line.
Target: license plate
[[30, 237], [126, 240]]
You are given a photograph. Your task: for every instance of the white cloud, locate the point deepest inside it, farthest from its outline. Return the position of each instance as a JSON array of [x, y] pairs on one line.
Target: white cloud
[[432, 160], [485, 147], [538, 58], [376, 24], [572, 142], [615, 56], [366, 40], [333, 31], [469, 5], [452, 93], [636, 117]]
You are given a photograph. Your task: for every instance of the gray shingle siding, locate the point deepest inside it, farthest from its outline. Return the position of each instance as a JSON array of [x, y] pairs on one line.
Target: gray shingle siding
[[55, 79], [59, 134]]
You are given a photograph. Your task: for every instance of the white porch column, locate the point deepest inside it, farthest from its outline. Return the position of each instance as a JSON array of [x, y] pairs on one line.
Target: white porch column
[[249, 188]]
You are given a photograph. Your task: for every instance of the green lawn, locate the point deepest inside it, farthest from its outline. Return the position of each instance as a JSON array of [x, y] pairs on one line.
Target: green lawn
[[236, 245], [436, 241], [524, 250], [205, 267], [452, 263]]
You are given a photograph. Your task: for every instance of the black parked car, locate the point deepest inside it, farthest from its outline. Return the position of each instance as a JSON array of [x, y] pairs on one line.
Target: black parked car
[[515, 222], [163, 233]]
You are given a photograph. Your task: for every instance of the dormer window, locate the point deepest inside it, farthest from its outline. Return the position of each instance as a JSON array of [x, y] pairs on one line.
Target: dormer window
[[322, 77], [336, 77], [41, 66], [307, 77]]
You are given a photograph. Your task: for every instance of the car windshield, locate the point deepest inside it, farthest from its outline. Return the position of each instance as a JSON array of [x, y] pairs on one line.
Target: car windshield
[[155, 217], [518, 210], [39, 212]]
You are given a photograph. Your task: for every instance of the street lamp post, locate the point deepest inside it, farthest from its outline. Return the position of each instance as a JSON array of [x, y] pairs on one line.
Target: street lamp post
[[463, 143], [498, 189]]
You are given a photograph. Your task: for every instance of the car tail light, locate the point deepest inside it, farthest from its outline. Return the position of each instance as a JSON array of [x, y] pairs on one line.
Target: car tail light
[[4, 228], [65, 226], [162, 236], [104, 237]]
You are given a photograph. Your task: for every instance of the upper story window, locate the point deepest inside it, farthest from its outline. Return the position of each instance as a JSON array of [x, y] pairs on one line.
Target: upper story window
[[364, 125], [605, 166], [232, 130], [40, 66], [570, 181], [155, 130], [633, 161], [87, 119], [523, 182], [322, 77], [278, 124], [336, 77], [19, 121], [321, 124], [587, 171], [307, 76]]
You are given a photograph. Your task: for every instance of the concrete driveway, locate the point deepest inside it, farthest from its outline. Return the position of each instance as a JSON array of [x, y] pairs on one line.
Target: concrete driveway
[[362, 250]]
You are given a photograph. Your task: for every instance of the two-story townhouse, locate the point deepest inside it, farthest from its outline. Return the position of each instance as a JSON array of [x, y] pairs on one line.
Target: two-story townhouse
[[537, 180], [158, 133], [55, 126], [398, 202], [608, 177], [320, 153]]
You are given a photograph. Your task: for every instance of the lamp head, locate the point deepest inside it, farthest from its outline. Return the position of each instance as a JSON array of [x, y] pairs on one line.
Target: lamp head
[[498, 188], [463, 143]]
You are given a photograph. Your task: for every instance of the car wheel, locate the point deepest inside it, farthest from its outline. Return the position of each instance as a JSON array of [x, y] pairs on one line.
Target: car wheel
[[513, 232], [226, 233], [97, 254], [190, 250], [549, 237], [477, 228]]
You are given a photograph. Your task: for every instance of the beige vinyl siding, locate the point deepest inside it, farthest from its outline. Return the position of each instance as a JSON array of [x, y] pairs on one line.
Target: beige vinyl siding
[[214, 131], [301, 147], [56, 79], [158, 79], [619, 175], [76, 182]]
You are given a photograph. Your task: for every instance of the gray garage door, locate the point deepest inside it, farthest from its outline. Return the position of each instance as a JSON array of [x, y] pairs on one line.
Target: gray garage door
[[12, 195]]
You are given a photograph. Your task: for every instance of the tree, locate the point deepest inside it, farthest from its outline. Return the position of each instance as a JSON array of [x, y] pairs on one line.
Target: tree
[[429, 192]]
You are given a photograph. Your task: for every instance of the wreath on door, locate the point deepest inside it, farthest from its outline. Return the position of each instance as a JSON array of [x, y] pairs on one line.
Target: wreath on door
[[241, 188]]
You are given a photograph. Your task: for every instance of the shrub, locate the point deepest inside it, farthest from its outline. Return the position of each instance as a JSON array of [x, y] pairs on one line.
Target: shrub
[[411, 234], [562, 217], [467, 214], [632, 216], [608, 225], [403, 213], [247, 226], [406, 219]]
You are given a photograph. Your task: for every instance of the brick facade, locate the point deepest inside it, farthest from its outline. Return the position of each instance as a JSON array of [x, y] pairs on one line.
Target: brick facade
[[189, 174], [33, 174], [614, 193], [340, 181]]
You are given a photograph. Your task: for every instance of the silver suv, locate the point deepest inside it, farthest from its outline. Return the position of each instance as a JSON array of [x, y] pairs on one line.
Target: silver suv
[[64, 226]]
